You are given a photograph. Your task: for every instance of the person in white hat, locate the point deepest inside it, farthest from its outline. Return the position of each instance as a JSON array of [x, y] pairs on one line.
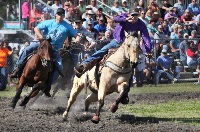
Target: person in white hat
[[125, 6], [90, 17], [116, 9]]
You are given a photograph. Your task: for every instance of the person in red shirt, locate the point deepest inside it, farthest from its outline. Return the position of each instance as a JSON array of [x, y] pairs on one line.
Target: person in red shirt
[[4, 53], [193, 58], [186, 17]]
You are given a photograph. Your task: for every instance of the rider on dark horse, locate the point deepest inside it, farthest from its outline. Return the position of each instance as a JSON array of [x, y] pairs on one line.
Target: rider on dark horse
[[126, 22], [56, 29]]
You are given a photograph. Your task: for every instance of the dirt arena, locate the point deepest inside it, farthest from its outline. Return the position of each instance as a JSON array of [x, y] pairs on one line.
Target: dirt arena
[[45, 115]]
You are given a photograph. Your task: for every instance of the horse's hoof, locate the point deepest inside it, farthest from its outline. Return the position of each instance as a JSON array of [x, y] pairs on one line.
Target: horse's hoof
[[12, 106], [65, 115], [95, 119], [113, 108]]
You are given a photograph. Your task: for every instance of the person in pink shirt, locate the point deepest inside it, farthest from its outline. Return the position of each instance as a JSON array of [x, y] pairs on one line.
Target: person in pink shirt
[[26, 13]]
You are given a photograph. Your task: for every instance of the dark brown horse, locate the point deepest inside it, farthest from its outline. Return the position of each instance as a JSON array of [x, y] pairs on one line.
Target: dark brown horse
[[35, 73]]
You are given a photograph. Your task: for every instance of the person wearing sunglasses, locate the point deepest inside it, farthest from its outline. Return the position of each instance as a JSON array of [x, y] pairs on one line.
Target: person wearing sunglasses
[[126, 22], [57, 30]]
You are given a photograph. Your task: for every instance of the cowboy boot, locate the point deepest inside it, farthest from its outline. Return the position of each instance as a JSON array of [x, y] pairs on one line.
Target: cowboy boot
[[81, 69], [18, 71]]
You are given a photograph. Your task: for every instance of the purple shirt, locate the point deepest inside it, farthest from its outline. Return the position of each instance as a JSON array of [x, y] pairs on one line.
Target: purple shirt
[[123, 25]]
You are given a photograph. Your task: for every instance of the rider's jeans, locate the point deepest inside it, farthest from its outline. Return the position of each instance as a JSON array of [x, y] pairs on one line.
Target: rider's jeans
[[103, 51], [33, 47]]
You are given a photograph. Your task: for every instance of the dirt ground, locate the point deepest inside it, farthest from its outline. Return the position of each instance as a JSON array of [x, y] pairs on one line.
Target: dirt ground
[[45, 115]]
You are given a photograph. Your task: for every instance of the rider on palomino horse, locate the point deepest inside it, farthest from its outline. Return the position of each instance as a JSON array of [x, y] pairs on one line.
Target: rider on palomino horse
[[126, 22], [56, 29]]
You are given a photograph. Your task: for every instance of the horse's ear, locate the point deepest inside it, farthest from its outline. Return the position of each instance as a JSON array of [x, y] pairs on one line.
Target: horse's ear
[[126, 33]]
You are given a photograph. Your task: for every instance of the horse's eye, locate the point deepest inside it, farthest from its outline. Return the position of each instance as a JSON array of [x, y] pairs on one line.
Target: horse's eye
[[129, 46]]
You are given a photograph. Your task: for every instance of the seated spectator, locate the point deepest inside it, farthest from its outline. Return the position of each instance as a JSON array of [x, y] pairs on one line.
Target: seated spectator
[[148, 15], [92, 30], [141, 5], [170, 14], [35, 16], [180, 8], [194, 8], [193, 38], [103, 41], [48, 10], [175, 41], [125, 6], [193, 60], [89, 17], [183, 47], [110, 25], [101, 27], [156, 16], [153, 6], [186, 17], [152, 28], [104, 7], [93, 5], [81, 7], [100, 14], [160, 39], [190, 28], [166, 28], [185, 28], [45, 17], [164, 8], [143, 18], [116, 9], [164, 67], [57, 5]]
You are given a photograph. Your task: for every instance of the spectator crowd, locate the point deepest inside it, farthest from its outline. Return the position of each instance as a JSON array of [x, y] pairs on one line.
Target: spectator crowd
[[173, 30]]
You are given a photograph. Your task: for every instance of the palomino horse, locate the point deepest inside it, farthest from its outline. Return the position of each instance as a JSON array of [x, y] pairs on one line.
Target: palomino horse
[[115, 75], [35, 73]]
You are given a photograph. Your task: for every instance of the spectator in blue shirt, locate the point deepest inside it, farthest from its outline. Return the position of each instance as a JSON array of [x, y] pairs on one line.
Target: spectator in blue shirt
[[100, 26], [194, 8], [48, 10]]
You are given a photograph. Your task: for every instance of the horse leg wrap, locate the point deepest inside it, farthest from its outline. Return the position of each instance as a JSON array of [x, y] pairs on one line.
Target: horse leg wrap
[[25, 101]]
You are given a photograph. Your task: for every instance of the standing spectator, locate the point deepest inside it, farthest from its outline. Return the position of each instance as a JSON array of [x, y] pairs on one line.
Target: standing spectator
[[183, 47], [193, 60], [194, 8], [165, 8], [9, 61], [180, 8], [81, 7], [26, 14], [4, 53], [143, 18], [125, 6], [175, 41], [48, 10], [116, 9], [198, 65], [35, 16], [164, 67]]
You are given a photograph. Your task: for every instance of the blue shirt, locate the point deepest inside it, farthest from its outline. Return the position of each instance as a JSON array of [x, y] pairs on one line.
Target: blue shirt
[[123, 25], [164, 61], [175, 40], [194, 9], [50, 11], [100, 28], [58, 32]]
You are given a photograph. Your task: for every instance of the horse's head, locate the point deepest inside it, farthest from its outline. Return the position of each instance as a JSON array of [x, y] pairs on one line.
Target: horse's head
[[45, 50], [132, 47]]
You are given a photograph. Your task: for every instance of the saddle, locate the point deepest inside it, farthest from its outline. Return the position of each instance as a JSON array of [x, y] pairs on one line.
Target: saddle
[[101, 63]]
